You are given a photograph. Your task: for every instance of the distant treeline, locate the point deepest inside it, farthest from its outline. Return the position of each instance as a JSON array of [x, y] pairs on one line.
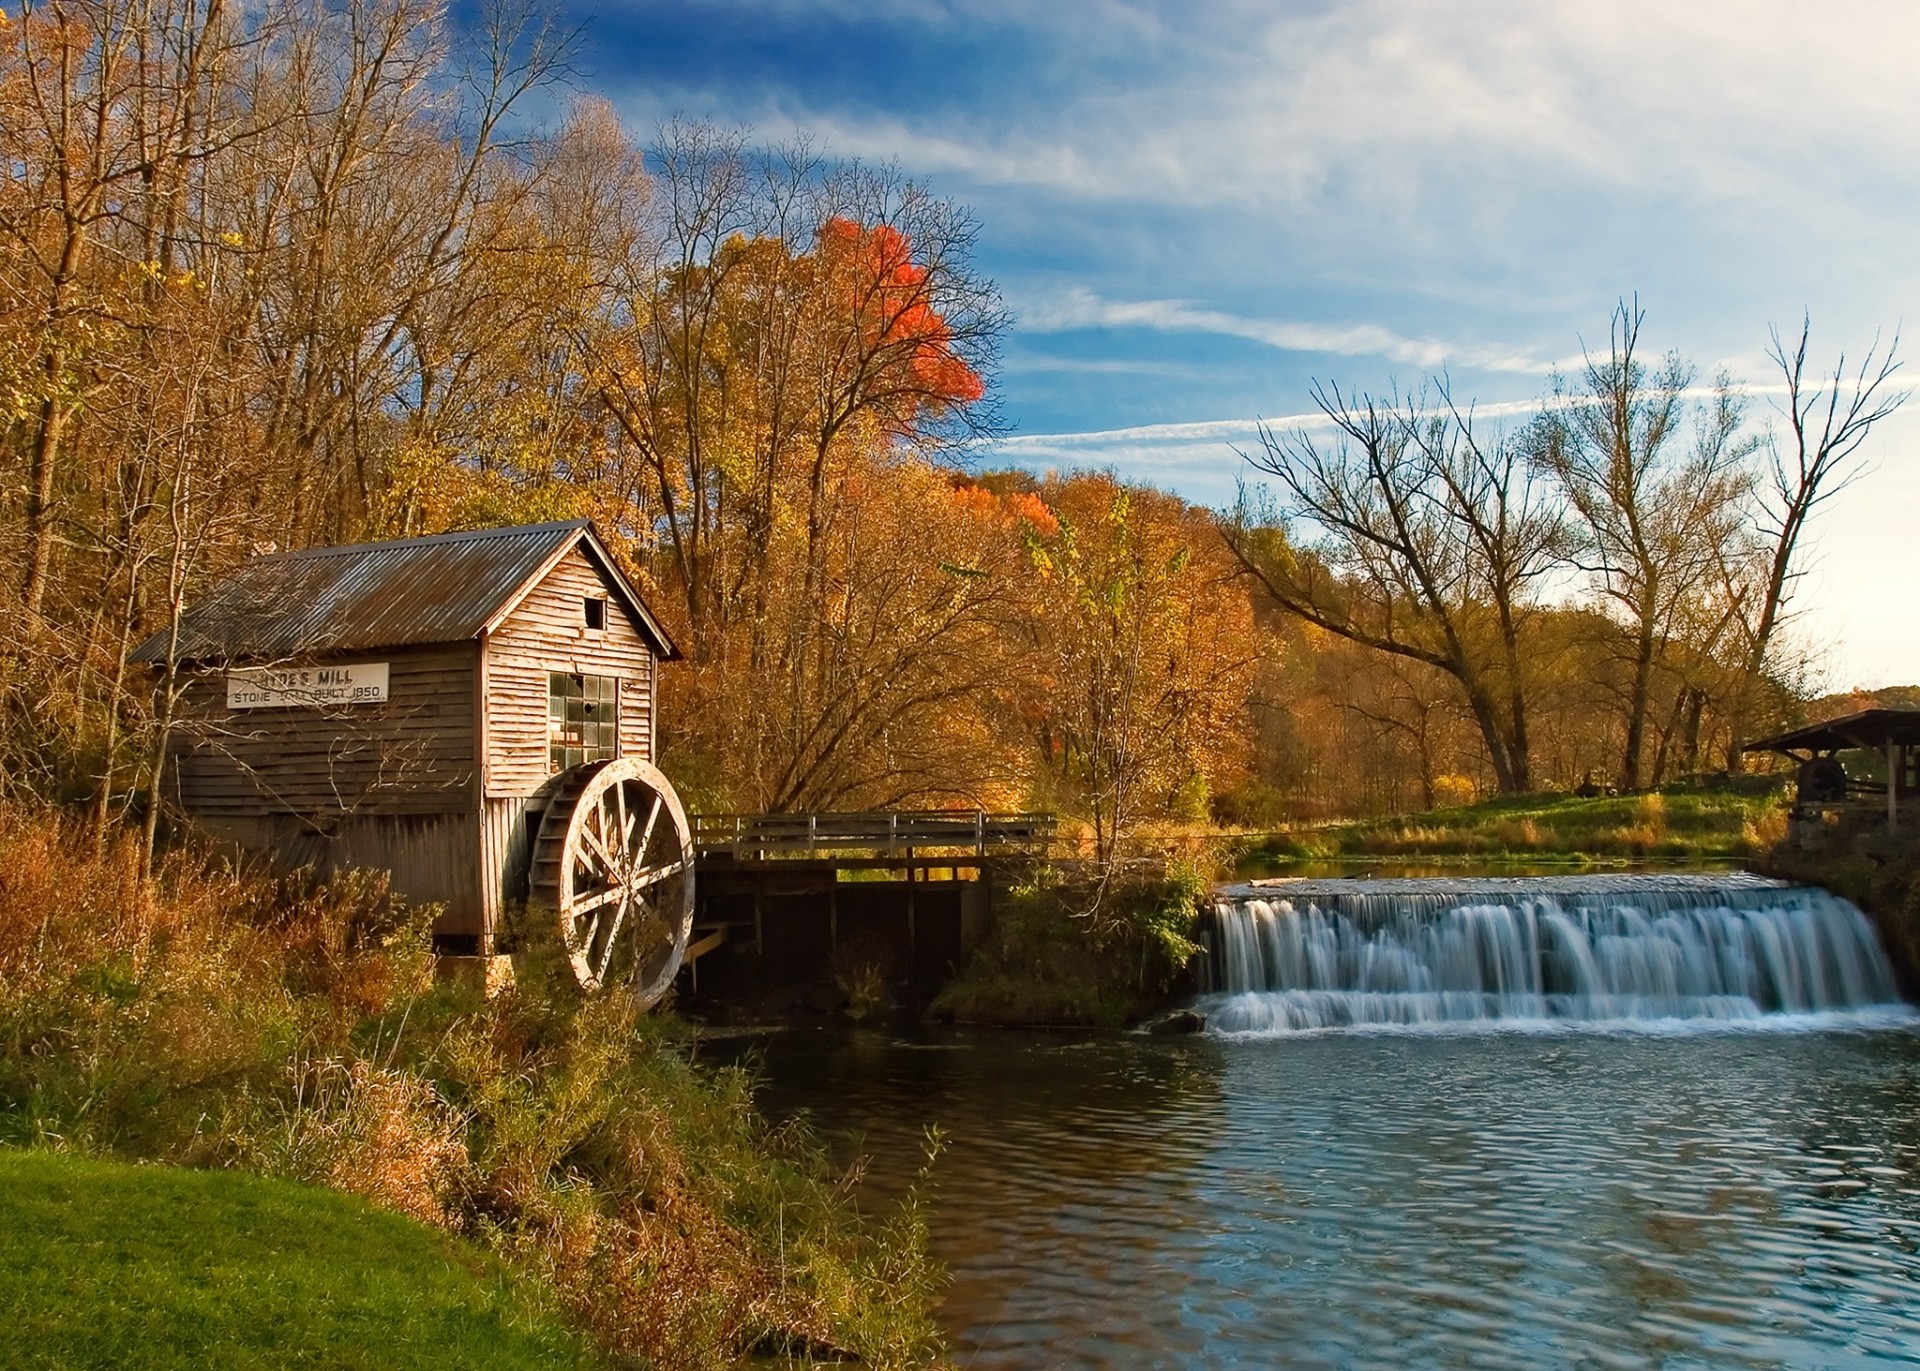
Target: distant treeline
[[299, 273]]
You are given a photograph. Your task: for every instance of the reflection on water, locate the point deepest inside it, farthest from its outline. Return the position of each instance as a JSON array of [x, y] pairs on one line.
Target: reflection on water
[[1712, 1198]]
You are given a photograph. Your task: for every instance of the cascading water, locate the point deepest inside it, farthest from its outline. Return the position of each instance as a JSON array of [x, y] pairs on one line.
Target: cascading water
[[1297, 955]]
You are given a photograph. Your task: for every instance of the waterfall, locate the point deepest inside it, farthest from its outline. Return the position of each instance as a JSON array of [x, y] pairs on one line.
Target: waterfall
[[1297, 955]]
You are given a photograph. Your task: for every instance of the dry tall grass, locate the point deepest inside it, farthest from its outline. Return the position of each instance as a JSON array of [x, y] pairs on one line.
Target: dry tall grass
[[210, 1018]]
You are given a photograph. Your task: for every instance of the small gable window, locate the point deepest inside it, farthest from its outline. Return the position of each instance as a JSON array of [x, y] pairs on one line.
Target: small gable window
[[596, 614]]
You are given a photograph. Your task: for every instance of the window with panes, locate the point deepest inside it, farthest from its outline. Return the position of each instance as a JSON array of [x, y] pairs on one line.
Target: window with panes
[[583, 719]]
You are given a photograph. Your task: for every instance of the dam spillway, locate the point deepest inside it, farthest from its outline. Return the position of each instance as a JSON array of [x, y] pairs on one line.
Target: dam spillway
[[1301, 955]]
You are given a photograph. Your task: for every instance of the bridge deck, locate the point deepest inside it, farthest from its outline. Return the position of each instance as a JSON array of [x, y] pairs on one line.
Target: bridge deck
[[887, 838]]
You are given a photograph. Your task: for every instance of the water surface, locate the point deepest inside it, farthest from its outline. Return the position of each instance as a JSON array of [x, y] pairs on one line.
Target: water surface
[[1728, 1197]]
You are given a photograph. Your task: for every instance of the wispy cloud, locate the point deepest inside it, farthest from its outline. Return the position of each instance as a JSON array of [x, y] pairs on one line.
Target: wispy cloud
[[1079, 308], [1099, 447]]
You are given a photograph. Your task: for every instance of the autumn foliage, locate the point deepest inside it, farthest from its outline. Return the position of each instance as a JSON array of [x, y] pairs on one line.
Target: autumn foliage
[[886, 298], [269, 279]]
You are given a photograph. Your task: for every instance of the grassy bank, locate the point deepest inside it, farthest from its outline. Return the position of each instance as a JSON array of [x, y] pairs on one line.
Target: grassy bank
[[1081, 953], [106, 1264], [1676, 824], [210, 1020]]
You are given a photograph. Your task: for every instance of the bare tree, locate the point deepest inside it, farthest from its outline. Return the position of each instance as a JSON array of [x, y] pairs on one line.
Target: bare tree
[[1658, 507], [1828, 418], [1432, 545]]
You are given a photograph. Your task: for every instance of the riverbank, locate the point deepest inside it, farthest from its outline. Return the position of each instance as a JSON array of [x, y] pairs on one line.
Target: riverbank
[[1693, 824], [1082, 952], [210, 1020]]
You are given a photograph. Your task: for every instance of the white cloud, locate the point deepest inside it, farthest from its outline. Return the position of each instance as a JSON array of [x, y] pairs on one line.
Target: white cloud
[[1080, 308], [1273, 106]]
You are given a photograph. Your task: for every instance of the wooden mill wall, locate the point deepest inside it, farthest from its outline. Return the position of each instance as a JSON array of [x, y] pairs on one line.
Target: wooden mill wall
[[412, 754], [429, 857], [547, 632], [391, 786]]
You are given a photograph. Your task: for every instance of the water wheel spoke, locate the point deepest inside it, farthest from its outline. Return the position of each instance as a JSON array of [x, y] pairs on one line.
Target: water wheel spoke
[[599, 899], [603, 958], [594, 844], [646, 838], [654, 875], [621, 837]]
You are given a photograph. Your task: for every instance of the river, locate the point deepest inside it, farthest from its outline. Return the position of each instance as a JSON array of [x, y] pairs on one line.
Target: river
[[1586, 1181]]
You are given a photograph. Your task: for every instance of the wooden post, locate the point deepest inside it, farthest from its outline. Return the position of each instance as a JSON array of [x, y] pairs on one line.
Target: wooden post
[[1893, 785], [912, 931]]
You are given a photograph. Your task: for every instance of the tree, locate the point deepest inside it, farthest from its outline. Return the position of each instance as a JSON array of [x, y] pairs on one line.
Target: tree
[[1431, 546], [1140, 659], [1659, 508], [1828, 418]]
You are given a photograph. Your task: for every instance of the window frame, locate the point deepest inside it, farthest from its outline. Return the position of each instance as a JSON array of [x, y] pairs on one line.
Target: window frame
[[577, 733]]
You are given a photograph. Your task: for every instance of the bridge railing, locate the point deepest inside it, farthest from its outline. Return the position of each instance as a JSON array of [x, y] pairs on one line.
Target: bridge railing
[[892, 833]]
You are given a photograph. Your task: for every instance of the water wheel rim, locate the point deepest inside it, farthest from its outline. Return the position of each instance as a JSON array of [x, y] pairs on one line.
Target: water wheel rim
[[625, 883]]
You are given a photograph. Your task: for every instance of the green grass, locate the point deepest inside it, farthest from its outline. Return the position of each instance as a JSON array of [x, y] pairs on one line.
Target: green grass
[[103, 1264], [1680, 824]]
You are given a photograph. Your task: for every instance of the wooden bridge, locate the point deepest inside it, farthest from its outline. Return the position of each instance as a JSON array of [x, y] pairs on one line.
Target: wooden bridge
[[885, 839], [785, 898]]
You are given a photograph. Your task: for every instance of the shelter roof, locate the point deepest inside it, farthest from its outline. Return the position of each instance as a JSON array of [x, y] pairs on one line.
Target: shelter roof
[[1870, 728], [415, 591]]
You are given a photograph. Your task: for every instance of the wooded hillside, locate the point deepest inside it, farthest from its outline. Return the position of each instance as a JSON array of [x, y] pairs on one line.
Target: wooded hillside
[[302, 273]]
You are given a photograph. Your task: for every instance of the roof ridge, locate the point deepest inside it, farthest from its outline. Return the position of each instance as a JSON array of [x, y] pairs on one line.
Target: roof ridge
[[424, 540]]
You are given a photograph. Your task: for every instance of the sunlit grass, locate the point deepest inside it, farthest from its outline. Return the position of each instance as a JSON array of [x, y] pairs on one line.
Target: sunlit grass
[[216, 1020], [1673, 825], [106, 1264]]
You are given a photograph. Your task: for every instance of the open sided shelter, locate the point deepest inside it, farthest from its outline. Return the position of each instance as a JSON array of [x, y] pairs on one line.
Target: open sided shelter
[[472, 712], [1889, 734]]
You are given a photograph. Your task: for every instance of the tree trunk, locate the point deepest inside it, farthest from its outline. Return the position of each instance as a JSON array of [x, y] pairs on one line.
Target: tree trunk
[[40, 482], [1485, 716], [1637, 710]]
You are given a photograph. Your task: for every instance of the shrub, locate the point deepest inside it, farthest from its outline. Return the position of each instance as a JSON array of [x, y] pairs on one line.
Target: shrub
[[1098, 951]]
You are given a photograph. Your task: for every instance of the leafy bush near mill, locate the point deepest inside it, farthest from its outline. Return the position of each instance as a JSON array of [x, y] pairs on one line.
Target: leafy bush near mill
[[1096, 952]]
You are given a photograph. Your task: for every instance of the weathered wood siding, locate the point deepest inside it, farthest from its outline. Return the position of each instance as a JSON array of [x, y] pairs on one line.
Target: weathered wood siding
[[430, 857], [413, 754], [506, 844], [547, 632]]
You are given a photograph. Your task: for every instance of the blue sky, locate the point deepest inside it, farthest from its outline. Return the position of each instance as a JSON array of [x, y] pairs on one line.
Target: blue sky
[[1195, 210]]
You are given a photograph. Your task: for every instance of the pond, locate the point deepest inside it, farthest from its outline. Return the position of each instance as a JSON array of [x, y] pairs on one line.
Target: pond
[[1739, 1191]]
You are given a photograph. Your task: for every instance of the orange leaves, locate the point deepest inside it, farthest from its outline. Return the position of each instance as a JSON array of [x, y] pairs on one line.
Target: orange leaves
[[1034, 510], [1009, 510], [889, 299]]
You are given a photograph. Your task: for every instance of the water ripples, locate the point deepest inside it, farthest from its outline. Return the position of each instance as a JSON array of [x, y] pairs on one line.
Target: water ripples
[[1736, 1199]]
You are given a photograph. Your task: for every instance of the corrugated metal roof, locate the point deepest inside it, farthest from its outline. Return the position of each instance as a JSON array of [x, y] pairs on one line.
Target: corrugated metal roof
[[441, 589]]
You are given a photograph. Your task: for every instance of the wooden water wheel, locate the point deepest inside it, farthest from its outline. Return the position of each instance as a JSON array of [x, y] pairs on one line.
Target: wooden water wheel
[[614, 861]]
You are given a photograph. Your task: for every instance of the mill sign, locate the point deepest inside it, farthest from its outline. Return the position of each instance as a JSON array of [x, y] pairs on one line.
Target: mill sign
[[312, 687]]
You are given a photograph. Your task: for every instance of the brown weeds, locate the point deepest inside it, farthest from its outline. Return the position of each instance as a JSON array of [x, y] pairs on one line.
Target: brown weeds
[[214, 1017]]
